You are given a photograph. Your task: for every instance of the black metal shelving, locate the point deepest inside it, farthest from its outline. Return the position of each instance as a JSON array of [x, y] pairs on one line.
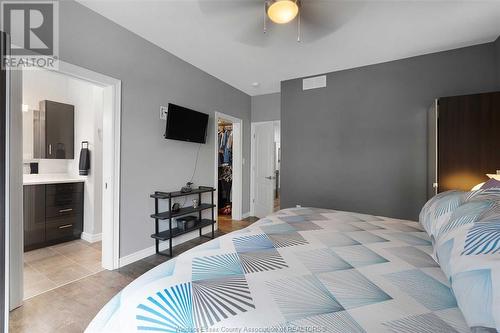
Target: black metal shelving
[[168, 235]]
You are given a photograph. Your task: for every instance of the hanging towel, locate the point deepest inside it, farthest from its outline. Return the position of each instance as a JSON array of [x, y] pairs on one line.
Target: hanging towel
[[84, 159]]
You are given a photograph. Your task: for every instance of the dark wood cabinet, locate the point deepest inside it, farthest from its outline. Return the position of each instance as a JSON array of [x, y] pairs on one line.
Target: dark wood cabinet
[[54, 128], [53, 213], [34, 216], [464, 141]]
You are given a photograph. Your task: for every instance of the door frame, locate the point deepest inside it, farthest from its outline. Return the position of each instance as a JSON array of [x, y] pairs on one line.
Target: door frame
[[4, 185], [237, 185], [111, 161], [253, 159]]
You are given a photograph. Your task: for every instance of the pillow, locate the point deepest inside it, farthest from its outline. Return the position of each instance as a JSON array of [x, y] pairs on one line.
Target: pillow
[[491, 183]]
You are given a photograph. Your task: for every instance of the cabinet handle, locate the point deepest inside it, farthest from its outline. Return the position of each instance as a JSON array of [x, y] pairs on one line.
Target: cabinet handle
[[50, 149], [65, 226], [65, 210]]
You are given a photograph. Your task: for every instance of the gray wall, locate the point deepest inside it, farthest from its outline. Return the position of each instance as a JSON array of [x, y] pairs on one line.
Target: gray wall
[[360, 144], [266, 107], [150, 77], [497, 55]]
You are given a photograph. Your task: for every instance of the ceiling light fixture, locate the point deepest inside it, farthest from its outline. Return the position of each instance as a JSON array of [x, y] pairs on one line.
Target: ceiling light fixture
[[282, 11]]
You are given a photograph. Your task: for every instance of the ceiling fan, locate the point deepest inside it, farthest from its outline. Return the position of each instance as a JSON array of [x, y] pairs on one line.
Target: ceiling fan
[[314, 18], [282, 12]]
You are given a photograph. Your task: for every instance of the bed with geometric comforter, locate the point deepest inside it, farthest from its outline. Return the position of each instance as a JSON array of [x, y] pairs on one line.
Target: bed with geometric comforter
[[298, 270]]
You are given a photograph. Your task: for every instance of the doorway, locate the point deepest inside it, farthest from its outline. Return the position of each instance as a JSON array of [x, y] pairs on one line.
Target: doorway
[[62, 199], [97, 246], [228, 168], [265, 170], [225, 168]]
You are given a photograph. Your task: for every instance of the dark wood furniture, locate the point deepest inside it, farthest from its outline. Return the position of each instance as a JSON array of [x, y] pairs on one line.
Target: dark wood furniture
[[466, 133], [173, 232], [54, 131], [53, 213]]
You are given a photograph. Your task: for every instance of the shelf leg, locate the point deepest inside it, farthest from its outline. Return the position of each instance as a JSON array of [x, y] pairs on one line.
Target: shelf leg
[[157, 227], [170, 227], [199, 213], [213, 217]]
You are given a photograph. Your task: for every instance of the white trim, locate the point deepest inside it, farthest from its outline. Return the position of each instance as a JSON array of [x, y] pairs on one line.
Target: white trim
[[7, 196], [111, 158], [136, 256], [245, 215], [149, 251], [237, 187], [91, 238]]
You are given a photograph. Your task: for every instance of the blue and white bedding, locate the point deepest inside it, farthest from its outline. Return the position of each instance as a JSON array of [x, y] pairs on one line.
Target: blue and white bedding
[[305, 269], [465, 231]]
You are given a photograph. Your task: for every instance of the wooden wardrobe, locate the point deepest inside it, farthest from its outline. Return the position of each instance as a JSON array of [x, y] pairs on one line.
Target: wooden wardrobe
[[464, 141]]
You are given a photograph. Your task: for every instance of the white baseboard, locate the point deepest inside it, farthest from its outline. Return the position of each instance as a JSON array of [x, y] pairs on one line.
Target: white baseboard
[[91, 238], [245, 215], [124, 261], [149, 251]]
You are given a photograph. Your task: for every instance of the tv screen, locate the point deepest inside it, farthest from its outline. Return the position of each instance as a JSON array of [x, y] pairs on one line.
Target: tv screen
[[186, 125]]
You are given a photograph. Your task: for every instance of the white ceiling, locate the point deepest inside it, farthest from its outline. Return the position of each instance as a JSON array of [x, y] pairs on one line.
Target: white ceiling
[[225, 38]]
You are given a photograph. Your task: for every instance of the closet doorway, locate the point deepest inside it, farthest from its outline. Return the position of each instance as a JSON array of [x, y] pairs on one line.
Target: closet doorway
[[228, 167]]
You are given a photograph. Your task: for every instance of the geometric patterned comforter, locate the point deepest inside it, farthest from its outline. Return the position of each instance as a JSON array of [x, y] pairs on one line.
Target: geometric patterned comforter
[[465, 231], [300, 269]]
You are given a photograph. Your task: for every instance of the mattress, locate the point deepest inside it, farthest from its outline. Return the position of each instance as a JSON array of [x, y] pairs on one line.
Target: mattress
[[298, 270]]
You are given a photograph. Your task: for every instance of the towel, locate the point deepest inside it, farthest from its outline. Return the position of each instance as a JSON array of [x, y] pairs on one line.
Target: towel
[[84, 164]]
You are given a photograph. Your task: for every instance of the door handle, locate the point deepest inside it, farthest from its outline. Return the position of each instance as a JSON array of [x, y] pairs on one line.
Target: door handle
[[65, 210], [269, 177]]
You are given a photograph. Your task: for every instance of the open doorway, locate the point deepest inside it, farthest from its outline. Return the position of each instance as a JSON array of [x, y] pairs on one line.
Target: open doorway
[[70, 171], [228, 169], [265, 170], [62, 179], [225, 169]]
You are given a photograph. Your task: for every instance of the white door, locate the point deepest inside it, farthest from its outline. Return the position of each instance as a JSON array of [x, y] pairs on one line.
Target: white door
[[264, 178]]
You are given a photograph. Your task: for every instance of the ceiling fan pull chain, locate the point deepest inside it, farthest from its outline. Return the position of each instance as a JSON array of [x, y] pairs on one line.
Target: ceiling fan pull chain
[[265, 16], [298, 27]]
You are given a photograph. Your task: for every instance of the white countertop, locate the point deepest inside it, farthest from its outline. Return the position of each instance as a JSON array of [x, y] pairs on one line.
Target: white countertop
[[51, 178]]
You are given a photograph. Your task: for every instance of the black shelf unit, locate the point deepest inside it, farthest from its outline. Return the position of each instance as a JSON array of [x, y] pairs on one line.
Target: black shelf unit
[[171, 233]]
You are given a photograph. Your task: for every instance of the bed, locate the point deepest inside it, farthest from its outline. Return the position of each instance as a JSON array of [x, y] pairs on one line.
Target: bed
[[318, 270]]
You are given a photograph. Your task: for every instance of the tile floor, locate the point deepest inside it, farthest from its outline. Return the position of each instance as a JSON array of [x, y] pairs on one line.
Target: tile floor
[[54, 266], [71, 307]]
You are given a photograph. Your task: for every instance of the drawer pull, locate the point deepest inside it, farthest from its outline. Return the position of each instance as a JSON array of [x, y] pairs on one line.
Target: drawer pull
[[65, 226], [65, 210]]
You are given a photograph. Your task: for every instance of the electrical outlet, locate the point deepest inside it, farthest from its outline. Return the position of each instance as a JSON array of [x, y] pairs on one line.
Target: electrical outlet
[[163, 112]]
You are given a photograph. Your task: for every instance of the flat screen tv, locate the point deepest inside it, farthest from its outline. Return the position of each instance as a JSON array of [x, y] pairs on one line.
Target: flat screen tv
[[184, 124]]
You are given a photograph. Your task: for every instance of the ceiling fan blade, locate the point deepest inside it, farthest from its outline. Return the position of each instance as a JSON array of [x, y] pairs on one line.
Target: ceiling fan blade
[[225, 7], [320, 18], [253, 33]]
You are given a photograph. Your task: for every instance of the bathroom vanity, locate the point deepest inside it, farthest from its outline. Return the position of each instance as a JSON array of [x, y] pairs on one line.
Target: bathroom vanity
[[53, 210]]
